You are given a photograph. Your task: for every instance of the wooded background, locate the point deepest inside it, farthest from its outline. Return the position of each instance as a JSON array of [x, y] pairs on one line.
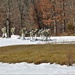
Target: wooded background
[[58, 15]]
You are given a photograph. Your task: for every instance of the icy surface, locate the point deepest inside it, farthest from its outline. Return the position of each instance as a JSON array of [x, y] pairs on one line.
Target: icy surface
[[26, 68]]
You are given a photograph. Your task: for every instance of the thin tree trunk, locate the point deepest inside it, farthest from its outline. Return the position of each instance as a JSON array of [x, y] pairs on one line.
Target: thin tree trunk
[[8, 19], [55, 28], [54, 15], [37, 14], [21, 8], [64, 22], [73, 21]]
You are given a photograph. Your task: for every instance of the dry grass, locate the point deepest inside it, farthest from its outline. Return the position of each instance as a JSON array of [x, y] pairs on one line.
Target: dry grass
[[61, 54]]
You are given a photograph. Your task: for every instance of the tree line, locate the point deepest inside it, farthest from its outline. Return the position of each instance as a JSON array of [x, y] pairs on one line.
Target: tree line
[[58, 15]]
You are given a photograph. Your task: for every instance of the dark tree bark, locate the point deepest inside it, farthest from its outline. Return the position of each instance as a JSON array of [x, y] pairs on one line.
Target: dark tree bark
[[8, 19], [21, 10], [37, 13]]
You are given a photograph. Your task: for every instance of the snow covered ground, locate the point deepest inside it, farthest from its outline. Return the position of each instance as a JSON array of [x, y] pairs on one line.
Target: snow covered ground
[[14, 41], [44, 68]]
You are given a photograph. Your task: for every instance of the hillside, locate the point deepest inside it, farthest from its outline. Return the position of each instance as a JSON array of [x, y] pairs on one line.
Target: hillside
[[58, 15]]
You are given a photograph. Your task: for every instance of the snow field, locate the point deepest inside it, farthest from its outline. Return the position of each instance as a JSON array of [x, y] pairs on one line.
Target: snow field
[[44, 68]]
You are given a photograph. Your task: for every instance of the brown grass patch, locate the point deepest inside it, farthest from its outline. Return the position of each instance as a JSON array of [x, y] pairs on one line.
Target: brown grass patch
[[53, 53]]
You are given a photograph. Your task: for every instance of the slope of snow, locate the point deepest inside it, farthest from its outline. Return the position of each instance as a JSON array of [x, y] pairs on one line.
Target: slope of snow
[[44, 68]]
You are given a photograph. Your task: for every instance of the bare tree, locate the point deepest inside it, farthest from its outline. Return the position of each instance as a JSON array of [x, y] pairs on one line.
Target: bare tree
[[21, 9], [64, 22], [54, 17], [8, 18], [37, 13]]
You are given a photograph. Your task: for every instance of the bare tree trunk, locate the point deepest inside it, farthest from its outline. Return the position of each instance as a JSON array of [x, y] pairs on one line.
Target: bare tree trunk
[[8, 19], [54, 15], [55, 28], [37, 14], [72, 8], [21, 9], [73, 21], [64, 22]]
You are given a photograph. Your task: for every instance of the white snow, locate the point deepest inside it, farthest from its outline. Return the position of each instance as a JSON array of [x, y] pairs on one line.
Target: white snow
[[64, 39], [44, 68], [15, 41]]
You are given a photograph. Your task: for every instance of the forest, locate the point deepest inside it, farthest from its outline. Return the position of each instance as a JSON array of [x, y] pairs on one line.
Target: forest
[[56, 15]]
